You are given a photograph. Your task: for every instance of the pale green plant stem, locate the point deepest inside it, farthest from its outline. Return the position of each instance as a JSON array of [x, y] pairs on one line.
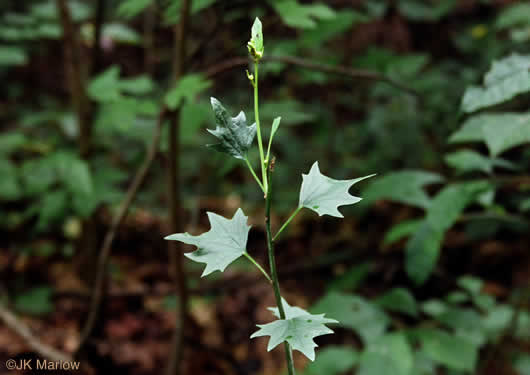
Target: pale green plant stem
[[254, 175], [287, 222], [256, 115], [274, 273], [253, 261]]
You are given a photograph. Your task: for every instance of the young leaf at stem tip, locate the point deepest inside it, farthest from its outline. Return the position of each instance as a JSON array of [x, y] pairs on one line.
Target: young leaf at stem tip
[[324, 195], [299, 328], [235, 136], [255, 45], [221, 245]]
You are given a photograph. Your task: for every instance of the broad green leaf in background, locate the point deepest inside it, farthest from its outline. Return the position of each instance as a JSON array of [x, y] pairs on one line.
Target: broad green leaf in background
[[451, 201], [105, 86], [355, 313], [131, 8], [303, 16], [327, 30], [506, 79], [299, 328], [502, 138], [139, 85], [37, 175], [404, 186], [398, 300], [469, 160], [388, 354], [422, 252], [12, 142], [472, 284], [47, 10], [521, 363], [9, 185], [36, 301], [420, 10], [324, 195], [500, 131], [221, 245], [235, 136], [116, 32], [515, 15], [186, 89], [73, 172], [52, 206], [401, 230], [451, 351], [352, 278], [333, 360], [11, 55], [172, 12], [424, 246]]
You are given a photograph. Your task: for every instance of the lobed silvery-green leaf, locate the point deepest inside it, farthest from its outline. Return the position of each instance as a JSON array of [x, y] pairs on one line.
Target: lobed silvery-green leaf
[[299, 328], [500, 131], [506, 79], [235, 136], [221, 245], [324, 195]]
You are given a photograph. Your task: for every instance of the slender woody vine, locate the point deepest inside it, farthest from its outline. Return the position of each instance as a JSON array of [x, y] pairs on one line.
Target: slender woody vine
[[226, 241]]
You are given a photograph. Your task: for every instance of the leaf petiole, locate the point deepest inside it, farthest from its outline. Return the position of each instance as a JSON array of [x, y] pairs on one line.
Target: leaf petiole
[[254, 175], [287, 222], [253, 261]]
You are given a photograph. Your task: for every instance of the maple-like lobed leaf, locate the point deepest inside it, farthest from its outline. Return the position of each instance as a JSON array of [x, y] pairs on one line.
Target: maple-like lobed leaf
[[299, 328], [221, 245], [235, 136], [324, 195]]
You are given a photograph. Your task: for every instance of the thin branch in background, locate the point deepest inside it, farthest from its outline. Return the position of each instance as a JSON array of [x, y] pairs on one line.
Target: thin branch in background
[[175, 209], [308, 64], [97, 55], [149, 24], [139, 178], [72, 56], [43, 350]]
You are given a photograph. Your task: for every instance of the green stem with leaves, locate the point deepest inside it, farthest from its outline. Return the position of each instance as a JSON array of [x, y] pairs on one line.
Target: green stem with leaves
[[272, 265], [256, 115]]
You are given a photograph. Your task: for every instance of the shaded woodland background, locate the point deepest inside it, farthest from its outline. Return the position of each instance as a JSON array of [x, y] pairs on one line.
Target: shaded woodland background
[[104, 106]]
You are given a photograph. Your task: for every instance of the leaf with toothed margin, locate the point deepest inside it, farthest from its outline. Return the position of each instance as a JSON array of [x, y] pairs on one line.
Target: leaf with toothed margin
[[235, 136], [221, 245], [299, 328], [324, 195]]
